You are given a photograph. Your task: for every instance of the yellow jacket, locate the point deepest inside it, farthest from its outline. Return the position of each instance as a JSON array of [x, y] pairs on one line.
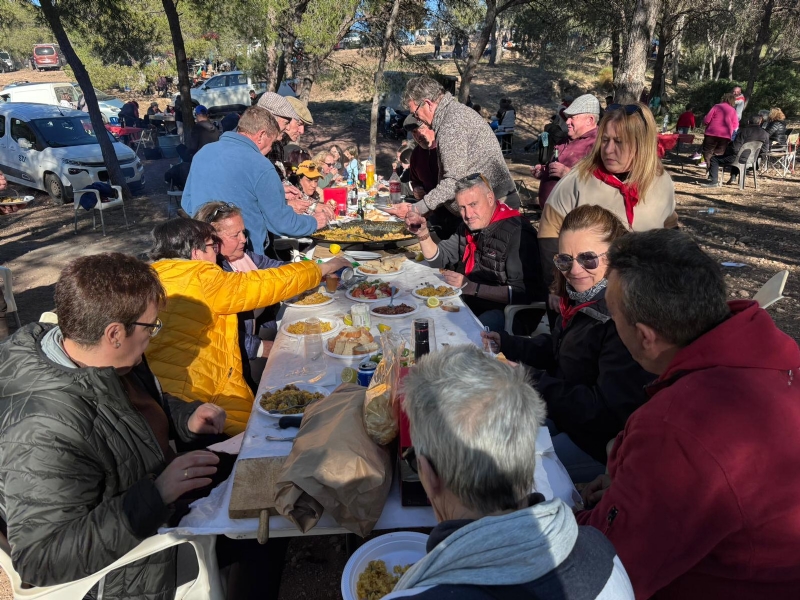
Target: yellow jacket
[[196, 356]]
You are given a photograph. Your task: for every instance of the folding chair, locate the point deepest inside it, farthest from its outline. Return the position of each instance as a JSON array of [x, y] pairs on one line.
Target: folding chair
[[506, 140], [772, 291], [147, 139], [683, 138], [782, 157], [100, 207]]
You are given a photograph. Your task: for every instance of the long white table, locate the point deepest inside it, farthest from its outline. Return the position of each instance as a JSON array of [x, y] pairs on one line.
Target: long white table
[[210, 515]]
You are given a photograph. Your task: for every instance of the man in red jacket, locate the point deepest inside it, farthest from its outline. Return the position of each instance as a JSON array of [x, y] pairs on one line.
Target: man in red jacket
[[702, 498]]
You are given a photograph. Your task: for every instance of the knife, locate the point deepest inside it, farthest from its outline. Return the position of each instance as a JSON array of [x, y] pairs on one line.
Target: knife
[[290, 421]]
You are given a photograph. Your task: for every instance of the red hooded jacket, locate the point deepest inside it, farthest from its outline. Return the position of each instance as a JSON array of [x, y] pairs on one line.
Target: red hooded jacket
[[705, 494]]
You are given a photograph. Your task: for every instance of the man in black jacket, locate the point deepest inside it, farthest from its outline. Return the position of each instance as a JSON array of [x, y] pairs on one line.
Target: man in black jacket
[[204, 132], [752, 133], [492, 256]]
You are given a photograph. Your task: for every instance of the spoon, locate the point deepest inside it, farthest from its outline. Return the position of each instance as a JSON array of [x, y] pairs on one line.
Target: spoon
[[391, 298]]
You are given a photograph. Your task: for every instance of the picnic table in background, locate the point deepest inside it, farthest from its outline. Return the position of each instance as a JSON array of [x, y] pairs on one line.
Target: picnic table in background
[[666, 142]]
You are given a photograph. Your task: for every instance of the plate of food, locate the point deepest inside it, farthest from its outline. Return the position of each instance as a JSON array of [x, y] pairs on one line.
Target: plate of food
[[400, 309], [310, 299], [14, 200], [351, 343], [375, 568], [359, 255], [290, 399], [439, 291], [382, 268], [370, 291], [297, 329]]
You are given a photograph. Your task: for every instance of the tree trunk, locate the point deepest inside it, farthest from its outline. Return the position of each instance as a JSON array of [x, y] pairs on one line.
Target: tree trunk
[[493, 53], [616, 50], [732, 59], [677, 44], [761, 41], [657, 86], [307, 76], [387, 40], [115, 175], [477, 51], [629, 80], [274, 55], [184, 84]]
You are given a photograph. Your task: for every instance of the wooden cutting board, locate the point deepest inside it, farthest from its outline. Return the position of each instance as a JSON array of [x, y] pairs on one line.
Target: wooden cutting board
[[253, 494]]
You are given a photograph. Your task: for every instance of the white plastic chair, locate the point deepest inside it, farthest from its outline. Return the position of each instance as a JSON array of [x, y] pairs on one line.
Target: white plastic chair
[[8, 292], [511, 310], [772, 291], [207, 586], [100, 207]]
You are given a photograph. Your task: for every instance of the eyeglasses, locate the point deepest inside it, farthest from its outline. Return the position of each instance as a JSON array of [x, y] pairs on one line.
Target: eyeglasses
[[410, 458], [588, 260], [420, 105], [475, 176], [629, 110], [154, 327], [223, 209], [330, 164], [214, 247]]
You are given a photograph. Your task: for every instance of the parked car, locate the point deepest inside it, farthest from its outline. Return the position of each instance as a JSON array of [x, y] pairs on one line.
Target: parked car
[[351, 40], [6, 62], [56, 150], [47, 56], [225, 92], [53, 92]]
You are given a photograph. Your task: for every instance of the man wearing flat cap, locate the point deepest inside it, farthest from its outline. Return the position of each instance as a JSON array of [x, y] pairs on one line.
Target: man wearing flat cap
[[582, 116]]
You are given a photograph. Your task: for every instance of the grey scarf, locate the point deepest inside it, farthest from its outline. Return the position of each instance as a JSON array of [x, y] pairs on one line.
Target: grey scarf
[[509, 549], [53, 348], [588, 295]]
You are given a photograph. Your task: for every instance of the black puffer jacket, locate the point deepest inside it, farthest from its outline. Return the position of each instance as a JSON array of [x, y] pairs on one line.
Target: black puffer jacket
[[77, 469], [590, 381], [777, 132]]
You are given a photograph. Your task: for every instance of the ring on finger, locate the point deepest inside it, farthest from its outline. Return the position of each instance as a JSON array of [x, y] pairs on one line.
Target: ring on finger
[[186, 474]]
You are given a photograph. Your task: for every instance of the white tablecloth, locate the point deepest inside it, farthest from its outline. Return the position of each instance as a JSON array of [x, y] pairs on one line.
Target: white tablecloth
[[210, 515]]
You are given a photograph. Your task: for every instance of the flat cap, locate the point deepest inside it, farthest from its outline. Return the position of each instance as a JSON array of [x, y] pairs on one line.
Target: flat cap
[[588, 104], [277, 105], [301, 110]]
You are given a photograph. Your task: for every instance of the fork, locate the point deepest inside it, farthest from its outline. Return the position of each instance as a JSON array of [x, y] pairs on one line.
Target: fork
[[275, 438]]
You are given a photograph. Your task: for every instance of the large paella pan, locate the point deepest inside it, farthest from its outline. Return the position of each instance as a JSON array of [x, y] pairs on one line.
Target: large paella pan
[[368, 234]]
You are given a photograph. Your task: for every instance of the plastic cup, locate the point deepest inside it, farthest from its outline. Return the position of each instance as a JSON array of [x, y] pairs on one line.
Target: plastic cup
[[332, 282]]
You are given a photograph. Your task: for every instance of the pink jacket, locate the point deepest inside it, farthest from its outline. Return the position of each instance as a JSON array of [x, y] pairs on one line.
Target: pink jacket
[[721, 121]]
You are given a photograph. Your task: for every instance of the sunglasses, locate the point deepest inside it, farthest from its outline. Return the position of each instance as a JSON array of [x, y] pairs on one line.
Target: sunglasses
[[154, 327], [475, 176], [588, 260], [410, 458], [223, 210], [629, 110]]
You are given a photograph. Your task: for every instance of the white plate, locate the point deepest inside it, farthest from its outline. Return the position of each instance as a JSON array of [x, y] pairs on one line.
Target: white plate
[[349, 357], [293, 305], [396, 301], [398, 548], [337, 324], [361, 255], [23, 200], [307, 387], [367, 300], [442, 298], [402, 268]]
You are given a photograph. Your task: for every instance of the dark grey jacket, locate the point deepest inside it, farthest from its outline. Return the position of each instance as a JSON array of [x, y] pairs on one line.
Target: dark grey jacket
[[77, 470]]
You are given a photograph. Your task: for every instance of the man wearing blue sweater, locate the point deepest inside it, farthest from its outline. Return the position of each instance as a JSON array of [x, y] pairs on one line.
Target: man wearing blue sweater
[[235, 170]]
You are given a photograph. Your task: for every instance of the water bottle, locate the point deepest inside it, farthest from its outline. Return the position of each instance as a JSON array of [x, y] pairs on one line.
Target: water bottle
[[394, 189]]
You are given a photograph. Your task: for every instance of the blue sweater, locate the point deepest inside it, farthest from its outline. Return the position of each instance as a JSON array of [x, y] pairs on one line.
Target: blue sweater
[[233, 170]]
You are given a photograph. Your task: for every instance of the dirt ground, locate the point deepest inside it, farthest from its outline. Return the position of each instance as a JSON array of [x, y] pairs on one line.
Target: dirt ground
[[754, 227]]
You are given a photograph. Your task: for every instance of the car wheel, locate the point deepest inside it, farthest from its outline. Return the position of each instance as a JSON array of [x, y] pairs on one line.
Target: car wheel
[[55, 188]]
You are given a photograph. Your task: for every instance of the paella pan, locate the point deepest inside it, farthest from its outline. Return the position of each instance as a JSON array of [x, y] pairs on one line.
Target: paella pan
[[367, 234]]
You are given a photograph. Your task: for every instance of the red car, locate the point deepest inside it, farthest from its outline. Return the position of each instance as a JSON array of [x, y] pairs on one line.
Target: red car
[[47, 56]]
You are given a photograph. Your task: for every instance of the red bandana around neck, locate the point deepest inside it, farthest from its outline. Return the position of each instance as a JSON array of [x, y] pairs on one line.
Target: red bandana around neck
[[630, 193], [567, 311], [501, 212]]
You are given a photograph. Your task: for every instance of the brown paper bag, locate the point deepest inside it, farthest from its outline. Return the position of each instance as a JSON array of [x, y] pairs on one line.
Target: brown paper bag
[[334, 466]]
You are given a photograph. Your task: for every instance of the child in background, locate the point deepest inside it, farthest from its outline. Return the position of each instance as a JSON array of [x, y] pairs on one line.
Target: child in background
[[685, 121], [351, 156]]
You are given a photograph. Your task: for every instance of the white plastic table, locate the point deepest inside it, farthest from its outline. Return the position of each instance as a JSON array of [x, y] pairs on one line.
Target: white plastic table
[[210, 515]]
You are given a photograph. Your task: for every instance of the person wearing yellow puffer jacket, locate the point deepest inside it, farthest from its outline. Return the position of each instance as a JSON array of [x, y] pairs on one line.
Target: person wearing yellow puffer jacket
[[197, 355]]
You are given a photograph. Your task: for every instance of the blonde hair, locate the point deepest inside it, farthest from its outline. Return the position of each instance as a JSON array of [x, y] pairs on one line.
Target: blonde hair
[[319, 157], [637, 131], [352, 151], [776, 114], [729, 98]]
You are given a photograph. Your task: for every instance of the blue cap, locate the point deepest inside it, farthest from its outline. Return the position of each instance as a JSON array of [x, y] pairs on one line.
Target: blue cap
[[200, 110]]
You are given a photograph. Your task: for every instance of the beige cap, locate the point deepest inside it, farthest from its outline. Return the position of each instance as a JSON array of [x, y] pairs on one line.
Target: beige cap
[[301, 109]]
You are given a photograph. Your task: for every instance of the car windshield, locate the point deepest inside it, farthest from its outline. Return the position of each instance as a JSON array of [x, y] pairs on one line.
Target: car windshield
[[101, 96], [4, 55], [61, 132], [44, 51]]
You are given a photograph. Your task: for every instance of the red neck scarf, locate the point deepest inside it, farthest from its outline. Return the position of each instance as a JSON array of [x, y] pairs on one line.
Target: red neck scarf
[[567, 311], [501, 212], [630, 193]]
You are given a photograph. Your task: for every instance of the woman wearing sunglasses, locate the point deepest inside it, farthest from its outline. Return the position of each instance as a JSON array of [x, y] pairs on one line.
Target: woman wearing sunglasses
[[582, 369], [622, 174]]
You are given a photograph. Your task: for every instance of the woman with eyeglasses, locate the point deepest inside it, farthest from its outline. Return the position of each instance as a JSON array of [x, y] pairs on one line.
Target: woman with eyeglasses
[[582, 369], [85, 429], [257, 328], [623, 174], [198, 356]]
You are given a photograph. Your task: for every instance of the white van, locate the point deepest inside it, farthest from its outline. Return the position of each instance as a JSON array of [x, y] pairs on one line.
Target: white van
[[53, 93], [54, 149]]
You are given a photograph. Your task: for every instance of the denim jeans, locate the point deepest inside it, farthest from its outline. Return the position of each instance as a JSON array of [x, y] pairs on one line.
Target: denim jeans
[[581, 467]]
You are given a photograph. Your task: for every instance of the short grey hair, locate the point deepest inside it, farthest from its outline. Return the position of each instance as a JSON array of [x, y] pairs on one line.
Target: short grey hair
[[419, 89], [476, 420], [465, 183], [256, 119]]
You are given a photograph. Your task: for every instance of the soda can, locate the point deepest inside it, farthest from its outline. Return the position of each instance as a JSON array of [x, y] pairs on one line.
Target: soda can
[[365, 372]]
